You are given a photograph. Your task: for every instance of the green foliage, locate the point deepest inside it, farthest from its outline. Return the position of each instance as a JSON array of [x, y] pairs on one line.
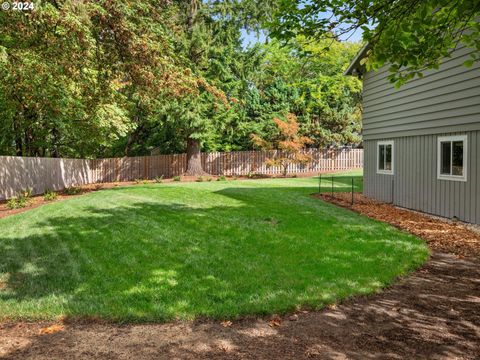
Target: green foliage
[[411, 36], [22, 202], [135, 76], [17, 203], [76, 77], [13, 204], [25, 193], [72, 190], [159, 179], [199, 179], [222, 178], [22, 199], [50, 195], [177, 178], [281, 80]]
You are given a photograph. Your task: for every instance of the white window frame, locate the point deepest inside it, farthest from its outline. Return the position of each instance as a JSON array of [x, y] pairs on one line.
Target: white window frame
[[452, 138], [387, 142]]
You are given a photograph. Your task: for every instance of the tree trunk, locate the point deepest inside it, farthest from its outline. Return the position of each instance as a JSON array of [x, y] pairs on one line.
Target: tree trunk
[[194, 158], [192, 13], [55, 152], [18, 137]]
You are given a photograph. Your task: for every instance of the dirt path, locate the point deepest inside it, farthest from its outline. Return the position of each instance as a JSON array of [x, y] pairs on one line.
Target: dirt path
[[434, 313]]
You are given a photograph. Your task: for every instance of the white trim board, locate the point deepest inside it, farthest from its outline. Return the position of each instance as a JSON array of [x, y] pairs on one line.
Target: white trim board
[[452, 138]]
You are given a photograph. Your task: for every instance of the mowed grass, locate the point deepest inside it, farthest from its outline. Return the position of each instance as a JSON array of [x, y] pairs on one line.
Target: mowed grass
[[186, 250]]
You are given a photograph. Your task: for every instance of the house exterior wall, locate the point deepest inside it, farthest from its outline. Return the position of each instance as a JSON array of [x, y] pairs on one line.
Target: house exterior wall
[[414, 184], [444, 102]]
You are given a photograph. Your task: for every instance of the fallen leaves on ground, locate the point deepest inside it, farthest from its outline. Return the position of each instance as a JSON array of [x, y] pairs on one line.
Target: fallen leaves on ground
[[275, 321], [52, 329]]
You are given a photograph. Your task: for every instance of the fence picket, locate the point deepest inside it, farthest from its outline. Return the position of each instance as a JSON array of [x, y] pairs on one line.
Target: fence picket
[[56, 174]]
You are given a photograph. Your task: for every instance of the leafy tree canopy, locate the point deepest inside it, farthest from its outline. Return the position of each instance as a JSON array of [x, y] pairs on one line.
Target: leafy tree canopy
[[112, 78], [77, 76], [410, 35]]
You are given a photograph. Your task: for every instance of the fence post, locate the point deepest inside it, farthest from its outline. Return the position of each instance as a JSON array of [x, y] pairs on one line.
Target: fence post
[[320, 183]]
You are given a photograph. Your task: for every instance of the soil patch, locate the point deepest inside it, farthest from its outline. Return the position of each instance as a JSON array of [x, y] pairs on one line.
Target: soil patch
[[440, 234]]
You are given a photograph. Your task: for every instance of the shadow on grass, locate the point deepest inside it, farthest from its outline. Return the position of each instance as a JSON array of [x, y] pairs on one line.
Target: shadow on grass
[[431, 314], [238, 251]]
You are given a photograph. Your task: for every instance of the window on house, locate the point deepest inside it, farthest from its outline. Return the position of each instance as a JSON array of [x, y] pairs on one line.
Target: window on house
[[452, 151], [385, 157]]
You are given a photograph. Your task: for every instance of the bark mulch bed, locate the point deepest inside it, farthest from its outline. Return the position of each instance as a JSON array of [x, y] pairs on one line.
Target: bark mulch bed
[[441, 234]]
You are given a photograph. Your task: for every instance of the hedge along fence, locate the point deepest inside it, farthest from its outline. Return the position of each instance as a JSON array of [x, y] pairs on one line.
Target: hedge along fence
[[40, 174]]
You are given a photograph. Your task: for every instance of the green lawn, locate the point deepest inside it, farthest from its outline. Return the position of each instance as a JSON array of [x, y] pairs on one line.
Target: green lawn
[[185, 250]]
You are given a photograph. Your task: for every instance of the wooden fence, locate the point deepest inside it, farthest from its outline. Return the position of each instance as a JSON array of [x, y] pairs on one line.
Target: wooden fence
[[40, 174]]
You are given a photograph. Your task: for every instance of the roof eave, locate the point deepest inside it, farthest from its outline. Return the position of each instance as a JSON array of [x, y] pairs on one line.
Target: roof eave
[[355, 64]]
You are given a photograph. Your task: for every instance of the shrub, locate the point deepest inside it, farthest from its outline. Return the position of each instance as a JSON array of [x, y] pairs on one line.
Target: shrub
[[146, 181], [222, 178], [137, 181], [25, 194], [176, 178], [72, 190], [209, 179], [199, 179], [12, 204], [159, 179], [21, 200], [50, 195]]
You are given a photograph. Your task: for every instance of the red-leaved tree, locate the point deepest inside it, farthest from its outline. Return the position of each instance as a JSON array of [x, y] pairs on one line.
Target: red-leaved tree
[[288, 141]]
